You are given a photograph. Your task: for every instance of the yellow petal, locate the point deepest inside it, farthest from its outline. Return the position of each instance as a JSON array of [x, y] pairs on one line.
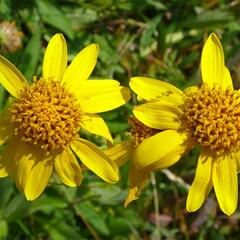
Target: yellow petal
[[153, 89], [68, 168], [212, 62], [236, 158], [28, 167], [190, 90], [202, 183], [158, 115], [81, 67], [11, 78], [137, 180], [55, 58], [94, 87], [227, 80], [95, 160], [3, 171], [6, 128], [103, 99], [162, 150], [120, 153], [96, 125], [224, 176]]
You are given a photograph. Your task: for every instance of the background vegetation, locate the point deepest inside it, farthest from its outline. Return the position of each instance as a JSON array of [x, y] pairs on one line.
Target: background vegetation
[[159, 39]]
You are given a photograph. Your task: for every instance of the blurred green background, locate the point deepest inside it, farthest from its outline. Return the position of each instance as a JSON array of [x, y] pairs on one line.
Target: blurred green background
[[159, 39]]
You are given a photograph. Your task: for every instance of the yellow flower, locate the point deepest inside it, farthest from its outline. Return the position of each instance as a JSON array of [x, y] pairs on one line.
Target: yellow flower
[[40, 128], [122, 152], [208, 116]]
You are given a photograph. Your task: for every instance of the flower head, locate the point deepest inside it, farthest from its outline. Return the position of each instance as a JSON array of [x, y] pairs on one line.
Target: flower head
[[10, 37], [41, 126], [207, 116]]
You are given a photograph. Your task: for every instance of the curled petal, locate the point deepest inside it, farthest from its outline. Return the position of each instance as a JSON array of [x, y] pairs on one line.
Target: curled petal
[[137, 180], [162, 150]]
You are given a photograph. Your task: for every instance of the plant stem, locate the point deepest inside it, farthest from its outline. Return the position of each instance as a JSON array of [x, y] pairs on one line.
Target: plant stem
[[156, 206]]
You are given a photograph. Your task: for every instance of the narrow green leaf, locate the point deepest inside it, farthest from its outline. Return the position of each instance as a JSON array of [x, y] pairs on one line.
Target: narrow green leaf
[[29, 59], [61, 230], [6, 187], [3, 229], [52, 15], [5, 9], [17, 208], [92, 216]]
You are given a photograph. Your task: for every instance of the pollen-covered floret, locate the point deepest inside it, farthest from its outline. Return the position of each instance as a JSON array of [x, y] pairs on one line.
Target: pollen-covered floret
[[139, 131], [46, 115], [213, 118]]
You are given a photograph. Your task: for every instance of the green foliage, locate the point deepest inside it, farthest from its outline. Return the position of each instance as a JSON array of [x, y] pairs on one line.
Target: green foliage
[[159, 39]]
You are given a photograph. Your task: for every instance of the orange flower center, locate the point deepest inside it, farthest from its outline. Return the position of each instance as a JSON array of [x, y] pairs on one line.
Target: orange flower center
[[46, 115], [213, 118], [139, 131]]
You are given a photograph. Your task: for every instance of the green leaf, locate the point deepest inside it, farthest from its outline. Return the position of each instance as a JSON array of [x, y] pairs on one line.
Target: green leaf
[[3, 229], [117, 127], [5, 9], [108, 194], [119, 226], [157, 4], [47, 204], [29, 59], [6, 187], [60, 230], [209, 19], [98, 5], [16, 209], [52, 15], [149, 35], [89, 212]]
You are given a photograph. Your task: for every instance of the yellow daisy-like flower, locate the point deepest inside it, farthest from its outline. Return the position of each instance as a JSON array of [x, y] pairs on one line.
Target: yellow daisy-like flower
[[208, 116], [40, 128]]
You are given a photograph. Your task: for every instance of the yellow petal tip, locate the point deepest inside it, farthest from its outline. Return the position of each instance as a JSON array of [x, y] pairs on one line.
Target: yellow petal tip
[[133, 195]]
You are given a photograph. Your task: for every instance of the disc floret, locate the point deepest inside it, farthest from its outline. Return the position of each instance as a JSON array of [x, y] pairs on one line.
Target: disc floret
[[46, 115], [139, 131], [212, 116]]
